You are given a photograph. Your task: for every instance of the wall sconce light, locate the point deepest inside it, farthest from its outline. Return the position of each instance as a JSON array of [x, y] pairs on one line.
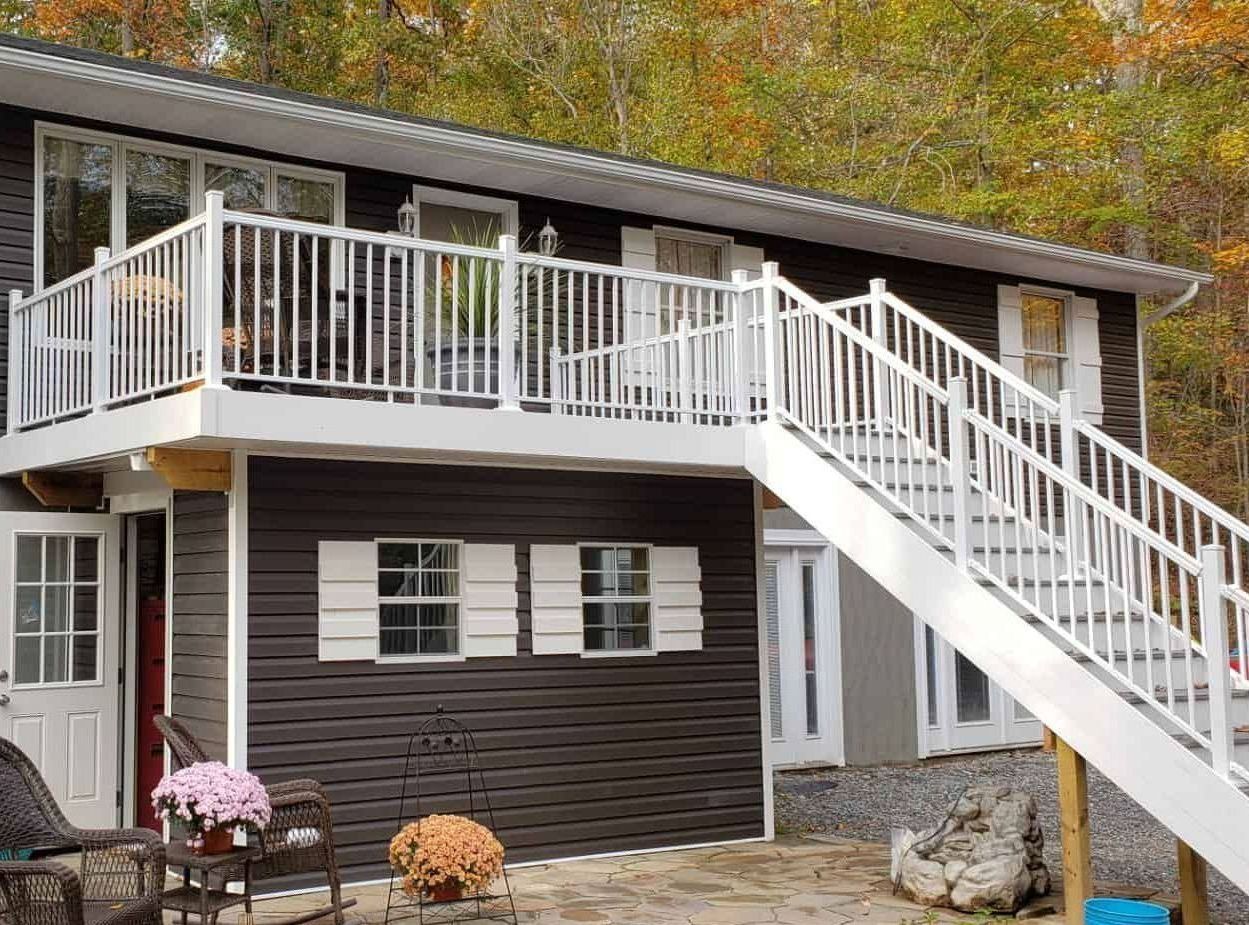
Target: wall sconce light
[[548, 239], [407, 218]]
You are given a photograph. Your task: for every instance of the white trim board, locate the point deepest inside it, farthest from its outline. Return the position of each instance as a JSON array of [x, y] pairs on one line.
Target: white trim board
[[42, 77]]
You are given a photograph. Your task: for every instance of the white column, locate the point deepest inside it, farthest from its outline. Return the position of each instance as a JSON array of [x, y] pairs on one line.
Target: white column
[[1213, 617], [100, 329], [876, 289], [15, 384], [685, 372], [508, 282], [960, 470], [1072, 511], [213, 268], [771, 341], [741, 354]]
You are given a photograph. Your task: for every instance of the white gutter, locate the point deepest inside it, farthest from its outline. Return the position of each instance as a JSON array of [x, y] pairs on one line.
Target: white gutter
[[1173, 306], [482, 147]]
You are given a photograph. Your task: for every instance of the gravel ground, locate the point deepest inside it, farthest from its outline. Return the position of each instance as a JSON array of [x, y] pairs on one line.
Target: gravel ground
[[1128, 845]]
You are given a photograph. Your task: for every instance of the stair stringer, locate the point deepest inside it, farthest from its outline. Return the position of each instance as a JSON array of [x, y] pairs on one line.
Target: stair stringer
[[1164, 776]]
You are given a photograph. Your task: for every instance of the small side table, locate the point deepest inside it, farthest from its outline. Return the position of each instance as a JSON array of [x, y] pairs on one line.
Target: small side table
[[203, 900]]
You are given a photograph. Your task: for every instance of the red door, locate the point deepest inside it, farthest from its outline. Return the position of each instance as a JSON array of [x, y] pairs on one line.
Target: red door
[[149, 702]]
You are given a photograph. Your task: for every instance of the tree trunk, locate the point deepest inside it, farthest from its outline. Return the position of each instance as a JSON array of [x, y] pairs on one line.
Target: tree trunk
[[381, 69]]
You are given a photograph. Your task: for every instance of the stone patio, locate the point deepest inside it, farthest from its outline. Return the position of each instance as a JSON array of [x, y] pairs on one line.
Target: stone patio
[[815, 880]]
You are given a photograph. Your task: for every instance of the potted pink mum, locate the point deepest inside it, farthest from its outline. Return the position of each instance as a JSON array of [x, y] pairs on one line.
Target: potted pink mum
[[210, 800]]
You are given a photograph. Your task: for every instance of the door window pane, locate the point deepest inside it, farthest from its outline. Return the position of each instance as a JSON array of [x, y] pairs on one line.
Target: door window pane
[[310, 200], [57, 610], [971, 691], [772, 608], [77, 205], [809, 648], [26, 664], [158, 193], [244, 187], [930, 660]]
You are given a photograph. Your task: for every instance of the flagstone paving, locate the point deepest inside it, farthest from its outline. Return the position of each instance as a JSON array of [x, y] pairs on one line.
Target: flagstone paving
[[811, 880]]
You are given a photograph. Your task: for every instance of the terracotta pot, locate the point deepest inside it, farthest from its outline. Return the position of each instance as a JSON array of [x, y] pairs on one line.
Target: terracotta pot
[[448, 892], [217, 841]]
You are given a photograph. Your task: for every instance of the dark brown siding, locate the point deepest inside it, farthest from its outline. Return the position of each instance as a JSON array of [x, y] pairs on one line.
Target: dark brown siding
[[963, 300], [200, 586], [581, 755]]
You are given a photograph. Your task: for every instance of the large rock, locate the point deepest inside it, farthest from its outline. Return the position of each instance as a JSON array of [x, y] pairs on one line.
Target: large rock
[[987, 854]]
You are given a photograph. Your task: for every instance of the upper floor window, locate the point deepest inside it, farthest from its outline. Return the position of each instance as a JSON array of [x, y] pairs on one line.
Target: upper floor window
[[1045, 319], [418, 595], [616, 598], [100, 190], [688, 253]]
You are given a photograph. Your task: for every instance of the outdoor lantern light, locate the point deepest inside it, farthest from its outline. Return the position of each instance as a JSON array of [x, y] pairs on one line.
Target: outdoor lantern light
[[407, 218], [548, 239]]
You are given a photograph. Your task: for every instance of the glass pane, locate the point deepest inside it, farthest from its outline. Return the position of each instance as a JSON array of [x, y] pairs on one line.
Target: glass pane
[[56, 549], [1044, 323], [971, 691], [77, 197], [398, 555], [244, 187], [397, 642], [86, 608], [56, 608], [930, 658], [55, 659], [437, 642], [29, 610], [26, 663], [461, 226], [809, 648], [772, 612], [310, 200], [29, 558], [85, 657], [86, 558], [1022, 713], [158, 193], [689, 258], [1044, 373]]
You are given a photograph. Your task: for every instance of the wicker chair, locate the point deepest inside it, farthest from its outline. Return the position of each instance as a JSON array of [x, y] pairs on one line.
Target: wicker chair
[[300, 836], [121, 871]]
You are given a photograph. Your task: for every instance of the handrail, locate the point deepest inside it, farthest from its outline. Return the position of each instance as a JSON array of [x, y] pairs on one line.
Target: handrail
[[652, 276]]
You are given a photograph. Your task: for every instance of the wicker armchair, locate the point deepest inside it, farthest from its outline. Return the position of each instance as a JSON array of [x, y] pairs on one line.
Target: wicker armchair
[[121, 871], [300, 836]]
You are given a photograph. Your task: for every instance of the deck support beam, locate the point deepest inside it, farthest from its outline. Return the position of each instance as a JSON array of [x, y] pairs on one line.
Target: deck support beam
[[1194, 900], [191, 470], [65, 489], [1073, 812]]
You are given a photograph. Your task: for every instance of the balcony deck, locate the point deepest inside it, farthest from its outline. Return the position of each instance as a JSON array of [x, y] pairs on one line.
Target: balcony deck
[[235, 329]]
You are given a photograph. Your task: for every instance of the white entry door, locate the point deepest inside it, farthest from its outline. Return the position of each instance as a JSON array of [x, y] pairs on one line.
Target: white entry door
[[59, 653], [964, 710], [803, 672]]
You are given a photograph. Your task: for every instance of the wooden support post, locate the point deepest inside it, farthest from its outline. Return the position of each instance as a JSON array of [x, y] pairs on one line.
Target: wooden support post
[[1194, 902], [1049, 741], [65, 489], [191, 470], [1073, 812]]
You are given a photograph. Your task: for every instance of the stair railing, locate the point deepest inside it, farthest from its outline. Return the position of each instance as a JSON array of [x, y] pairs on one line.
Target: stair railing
[[1138, 608]]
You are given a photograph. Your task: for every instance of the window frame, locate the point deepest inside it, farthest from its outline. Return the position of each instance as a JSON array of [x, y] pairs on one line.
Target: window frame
[[458, 600], [70, 633], [1065, 359], [121, 144], [648, 599], [508, 209], [690, 236]]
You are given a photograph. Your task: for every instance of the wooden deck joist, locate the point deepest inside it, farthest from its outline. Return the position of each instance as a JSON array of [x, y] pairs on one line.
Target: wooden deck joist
[[65, 489], [191, 470]]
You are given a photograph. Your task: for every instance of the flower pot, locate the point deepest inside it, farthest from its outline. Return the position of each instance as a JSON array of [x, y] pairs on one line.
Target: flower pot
[[448, 892], [457, 373], [216, 841]]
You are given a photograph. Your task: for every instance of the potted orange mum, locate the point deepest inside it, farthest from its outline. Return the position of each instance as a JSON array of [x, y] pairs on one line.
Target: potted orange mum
[[445, 857]]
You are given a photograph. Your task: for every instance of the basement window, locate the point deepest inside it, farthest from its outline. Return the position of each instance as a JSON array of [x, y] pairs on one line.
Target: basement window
[[418, 592], [616, 598]]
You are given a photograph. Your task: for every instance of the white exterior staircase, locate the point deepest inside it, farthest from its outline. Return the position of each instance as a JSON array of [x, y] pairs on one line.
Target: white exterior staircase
[[1095, 592]]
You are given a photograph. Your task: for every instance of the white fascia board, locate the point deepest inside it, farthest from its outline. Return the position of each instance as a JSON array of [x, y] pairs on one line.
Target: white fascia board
[[929, 238]]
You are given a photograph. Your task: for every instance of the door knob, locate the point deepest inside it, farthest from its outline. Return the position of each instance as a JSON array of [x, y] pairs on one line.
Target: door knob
[[4, 700]]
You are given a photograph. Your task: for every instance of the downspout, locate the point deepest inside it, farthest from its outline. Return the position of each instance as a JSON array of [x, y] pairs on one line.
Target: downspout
[[1153, 318]]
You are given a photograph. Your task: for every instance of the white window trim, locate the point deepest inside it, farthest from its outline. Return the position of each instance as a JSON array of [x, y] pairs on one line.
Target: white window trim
[[1067, 365], [723, 241], [458, 600], [120, 144], [650, 649], [508, 209], [99, 633]]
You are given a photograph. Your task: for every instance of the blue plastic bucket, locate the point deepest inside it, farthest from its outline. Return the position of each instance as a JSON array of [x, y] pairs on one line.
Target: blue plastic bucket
[[1124, 912]]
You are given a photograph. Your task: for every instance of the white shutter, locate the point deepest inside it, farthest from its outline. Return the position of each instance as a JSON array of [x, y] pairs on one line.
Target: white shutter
[[1010, 329], [555, 600], [1086, 359], [637, 248], [488, 599], [745, 257], [678, 598], [347, 601]]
